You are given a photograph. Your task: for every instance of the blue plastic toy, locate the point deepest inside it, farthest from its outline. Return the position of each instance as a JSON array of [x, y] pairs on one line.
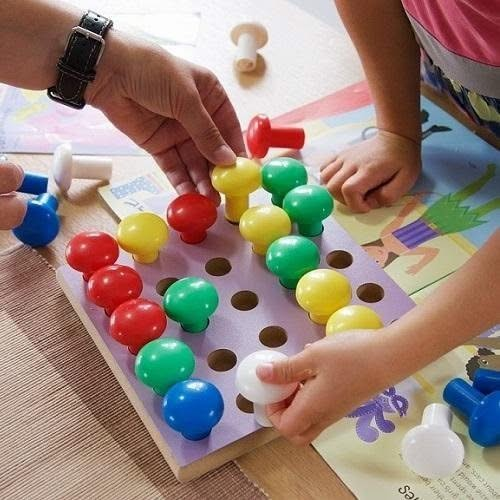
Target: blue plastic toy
[[34, 183], [482, 411], [41, 222], [486, 381], [193, 407]]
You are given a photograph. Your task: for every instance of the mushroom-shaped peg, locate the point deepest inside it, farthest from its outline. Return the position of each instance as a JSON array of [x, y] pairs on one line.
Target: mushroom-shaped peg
[[34, 183], [113, 285], [482, 411], [261, 393], [264, 224], [290, 258], [261, 136], [431, 449], [41, 223], [486, 381], [89, 251], [248, 37], [281, 175], [322, 292], [163, 362], [191, 301], [66, 167], [142, 234], [353, 317], [193, 407], [236, 182], [136, 322], [308, 206], [191, 214]]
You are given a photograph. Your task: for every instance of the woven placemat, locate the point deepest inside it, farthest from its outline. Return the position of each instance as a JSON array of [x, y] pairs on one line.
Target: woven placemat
[[67, 429]]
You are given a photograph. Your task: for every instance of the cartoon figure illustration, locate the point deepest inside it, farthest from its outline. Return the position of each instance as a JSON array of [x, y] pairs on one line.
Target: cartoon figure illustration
[[448, 215], [485, 357], [387, 402]]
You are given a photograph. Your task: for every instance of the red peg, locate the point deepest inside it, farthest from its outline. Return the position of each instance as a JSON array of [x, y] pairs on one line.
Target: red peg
[[191, 214], [137, 322], [261, 136], [88, 252], [111, 286]]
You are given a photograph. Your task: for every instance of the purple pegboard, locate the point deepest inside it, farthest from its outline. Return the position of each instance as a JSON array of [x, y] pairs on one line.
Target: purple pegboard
[[229, 328]]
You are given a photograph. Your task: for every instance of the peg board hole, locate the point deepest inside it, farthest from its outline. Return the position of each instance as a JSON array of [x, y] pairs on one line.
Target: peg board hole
[[339, 259], [245, 300], [243, 404], [163, 285], [222, 360], [370, 292], [273, 336], [219, 266]]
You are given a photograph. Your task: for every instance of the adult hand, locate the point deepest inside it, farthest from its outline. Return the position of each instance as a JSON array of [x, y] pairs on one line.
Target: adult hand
[[12, 207], [175, 110]]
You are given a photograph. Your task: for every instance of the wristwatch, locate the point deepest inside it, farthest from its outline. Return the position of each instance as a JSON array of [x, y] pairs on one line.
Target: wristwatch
[[81, 56]]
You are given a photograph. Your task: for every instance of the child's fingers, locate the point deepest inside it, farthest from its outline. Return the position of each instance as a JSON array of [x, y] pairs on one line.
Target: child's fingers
[[11, 177], [13, 210], [293, 369], [334, 185], [311, 434], [329, 170], [354, 190], [389, 193]]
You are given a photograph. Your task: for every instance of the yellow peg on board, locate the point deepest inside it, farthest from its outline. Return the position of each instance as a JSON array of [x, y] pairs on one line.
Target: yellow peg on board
[[236, 182], [353, 317], [322, 292], [264, 224], [143, 235]]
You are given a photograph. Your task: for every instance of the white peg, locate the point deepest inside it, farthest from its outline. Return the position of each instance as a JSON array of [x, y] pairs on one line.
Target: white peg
[[67, 167], [431, 449], [248, 37], [261, 393]]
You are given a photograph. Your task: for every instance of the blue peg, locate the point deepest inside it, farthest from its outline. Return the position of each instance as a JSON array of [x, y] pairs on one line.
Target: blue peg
[[41, 222], [486, 381], [34, 183], [193, 407], [482, 411]]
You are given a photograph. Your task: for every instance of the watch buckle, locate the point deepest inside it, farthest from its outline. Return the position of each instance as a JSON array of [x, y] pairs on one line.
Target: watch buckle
[[89, 34]]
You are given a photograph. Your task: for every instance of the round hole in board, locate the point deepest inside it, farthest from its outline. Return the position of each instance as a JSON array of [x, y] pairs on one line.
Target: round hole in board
[[370, 292], [219, 266], [273, 336], [163, 285], [244, 300], [221, 360], [339, 259], [243, 404]]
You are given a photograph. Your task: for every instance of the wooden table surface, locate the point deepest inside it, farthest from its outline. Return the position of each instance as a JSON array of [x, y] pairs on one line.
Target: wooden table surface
[[287, 77]]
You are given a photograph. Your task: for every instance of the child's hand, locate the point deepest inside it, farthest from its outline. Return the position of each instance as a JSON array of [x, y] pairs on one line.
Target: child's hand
[[338, 373], [12, 207], [374, 173]]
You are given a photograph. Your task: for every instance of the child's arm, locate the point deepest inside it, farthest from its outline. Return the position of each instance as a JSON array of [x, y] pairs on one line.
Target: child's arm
[[343, 371], [378, 171]]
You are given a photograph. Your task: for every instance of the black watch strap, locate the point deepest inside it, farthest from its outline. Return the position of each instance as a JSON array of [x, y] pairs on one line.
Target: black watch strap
[[81, 56]]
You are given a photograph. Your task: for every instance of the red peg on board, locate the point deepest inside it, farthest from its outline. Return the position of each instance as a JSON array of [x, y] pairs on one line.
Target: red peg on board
[[261, 136], [191, 214], [137, 322], [87, 252], [111, 286]]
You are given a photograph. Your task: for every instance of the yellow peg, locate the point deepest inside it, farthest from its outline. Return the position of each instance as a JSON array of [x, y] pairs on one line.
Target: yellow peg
[[236, 182], [143, 235], [264, 224], [321, 292], [353, 317]]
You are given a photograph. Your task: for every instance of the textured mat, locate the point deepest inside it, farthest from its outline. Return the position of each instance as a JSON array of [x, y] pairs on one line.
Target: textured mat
[[66, 428]]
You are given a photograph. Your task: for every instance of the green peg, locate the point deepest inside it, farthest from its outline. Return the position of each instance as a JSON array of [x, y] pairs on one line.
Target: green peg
[[290, 258], [281, 175], [308, 206], [191, 301], [162, 363]]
